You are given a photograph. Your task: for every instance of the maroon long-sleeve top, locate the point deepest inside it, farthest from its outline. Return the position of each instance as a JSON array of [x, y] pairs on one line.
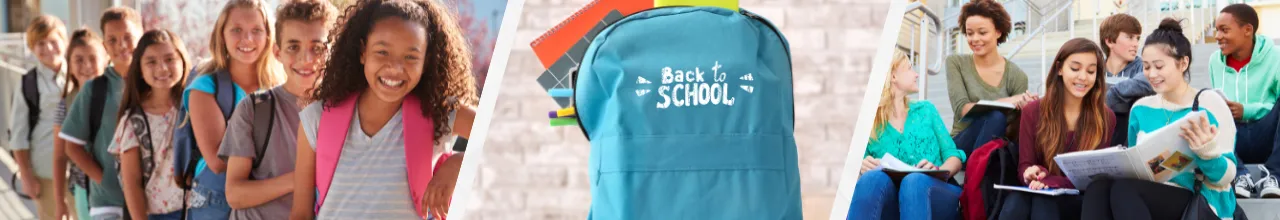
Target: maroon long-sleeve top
[[1032, 154]]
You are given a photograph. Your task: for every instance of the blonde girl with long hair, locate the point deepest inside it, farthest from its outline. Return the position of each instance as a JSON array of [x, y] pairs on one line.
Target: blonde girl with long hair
[[913, 132], [241, 45]]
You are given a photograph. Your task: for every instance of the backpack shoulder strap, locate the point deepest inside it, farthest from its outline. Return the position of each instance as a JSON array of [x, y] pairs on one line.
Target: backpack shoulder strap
[[142, 131], [224, 93], [1195, 104], [97, 103], [264, 108], [335, 121], [31, 96], [419, 146]]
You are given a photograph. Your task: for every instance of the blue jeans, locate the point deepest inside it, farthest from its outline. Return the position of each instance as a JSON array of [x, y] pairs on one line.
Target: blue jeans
[[212, 187], [175, 215], [982, 129], [919, 197], [1256, 142]]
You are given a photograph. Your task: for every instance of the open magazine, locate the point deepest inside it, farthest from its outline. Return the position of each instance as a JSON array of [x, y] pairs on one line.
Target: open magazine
[[896, 169], [985, 106], [1158, 157]]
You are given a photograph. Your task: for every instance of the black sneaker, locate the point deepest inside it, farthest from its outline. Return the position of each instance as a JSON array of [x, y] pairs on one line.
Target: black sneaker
[[1244, 186]]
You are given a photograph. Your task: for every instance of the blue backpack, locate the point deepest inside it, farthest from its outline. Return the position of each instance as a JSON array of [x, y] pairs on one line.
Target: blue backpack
[[186, 153], [690, 115]]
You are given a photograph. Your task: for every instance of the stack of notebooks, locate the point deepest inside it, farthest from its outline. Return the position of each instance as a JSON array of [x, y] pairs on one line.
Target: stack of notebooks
[[561, 49]]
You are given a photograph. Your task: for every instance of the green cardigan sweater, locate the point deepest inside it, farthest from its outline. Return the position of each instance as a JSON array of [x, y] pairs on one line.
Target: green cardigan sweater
[[964, 86]]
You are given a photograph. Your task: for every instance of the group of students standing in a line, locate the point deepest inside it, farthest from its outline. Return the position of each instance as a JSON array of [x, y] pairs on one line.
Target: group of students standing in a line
[[112, 107], [1091, 101]]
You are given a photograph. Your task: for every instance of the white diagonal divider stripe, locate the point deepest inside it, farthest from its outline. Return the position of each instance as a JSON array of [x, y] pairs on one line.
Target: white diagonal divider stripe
[[862, 130], [462, 192]]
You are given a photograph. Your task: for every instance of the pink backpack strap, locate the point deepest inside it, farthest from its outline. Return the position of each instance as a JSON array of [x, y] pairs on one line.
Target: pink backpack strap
[[419, 147], [335, 122]]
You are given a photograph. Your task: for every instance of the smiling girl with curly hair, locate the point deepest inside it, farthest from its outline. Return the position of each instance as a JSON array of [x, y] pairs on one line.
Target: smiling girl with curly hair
[[386, 54]]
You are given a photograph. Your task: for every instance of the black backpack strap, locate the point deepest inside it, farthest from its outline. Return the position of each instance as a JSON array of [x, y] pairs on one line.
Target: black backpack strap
[[1195, 105], [31, 96], [97, 103], [264, 117], [224, 93]]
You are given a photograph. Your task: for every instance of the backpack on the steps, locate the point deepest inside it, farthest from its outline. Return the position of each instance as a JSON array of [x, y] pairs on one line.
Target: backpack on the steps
[[690, 115], [996, 162]]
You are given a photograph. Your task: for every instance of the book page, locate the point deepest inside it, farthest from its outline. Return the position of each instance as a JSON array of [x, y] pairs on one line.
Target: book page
[[888, 161], [988, 105], [1163, 154], [897, 168], [1081, 167]]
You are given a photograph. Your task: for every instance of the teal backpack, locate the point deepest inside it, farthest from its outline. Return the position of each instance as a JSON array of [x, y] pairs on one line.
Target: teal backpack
[[690, 115]]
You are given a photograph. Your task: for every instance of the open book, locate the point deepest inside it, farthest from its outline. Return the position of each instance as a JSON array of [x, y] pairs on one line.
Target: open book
[[1050, 192], [1158, 157], [985, 106], [896, 169]]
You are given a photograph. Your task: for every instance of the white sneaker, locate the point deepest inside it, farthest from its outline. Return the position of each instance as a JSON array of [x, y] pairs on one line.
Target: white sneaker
[[1244, 186], [1268, 187]]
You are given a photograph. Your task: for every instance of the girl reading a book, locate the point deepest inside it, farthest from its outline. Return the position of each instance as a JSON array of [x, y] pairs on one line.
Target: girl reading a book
[[1166, 58], [913, 132], [984, 75], [1072, 116]]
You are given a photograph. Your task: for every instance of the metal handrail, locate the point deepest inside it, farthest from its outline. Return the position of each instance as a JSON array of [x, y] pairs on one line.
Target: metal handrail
[[939, 53], [1039, 30]]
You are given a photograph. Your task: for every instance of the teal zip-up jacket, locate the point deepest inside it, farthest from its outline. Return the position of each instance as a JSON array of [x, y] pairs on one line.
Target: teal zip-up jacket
[[1257, 85]]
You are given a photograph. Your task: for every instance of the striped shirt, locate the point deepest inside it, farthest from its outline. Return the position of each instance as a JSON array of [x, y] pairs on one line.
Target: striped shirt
[[369, 181]]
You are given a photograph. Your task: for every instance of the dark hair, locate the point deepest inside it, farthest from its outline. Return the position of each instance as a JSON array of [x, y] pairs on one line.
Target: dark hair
[[447, 60], [1244, 14], [1111, 28], [82, 37], [119, 13], [1091, 127], [304, 11], [989, 9], [1169, 37], [134, 84]]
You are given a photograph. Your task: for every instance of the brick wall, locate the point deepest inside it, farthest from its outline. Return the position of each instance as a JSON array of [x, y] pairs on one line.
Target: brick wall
[[532, 171]]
